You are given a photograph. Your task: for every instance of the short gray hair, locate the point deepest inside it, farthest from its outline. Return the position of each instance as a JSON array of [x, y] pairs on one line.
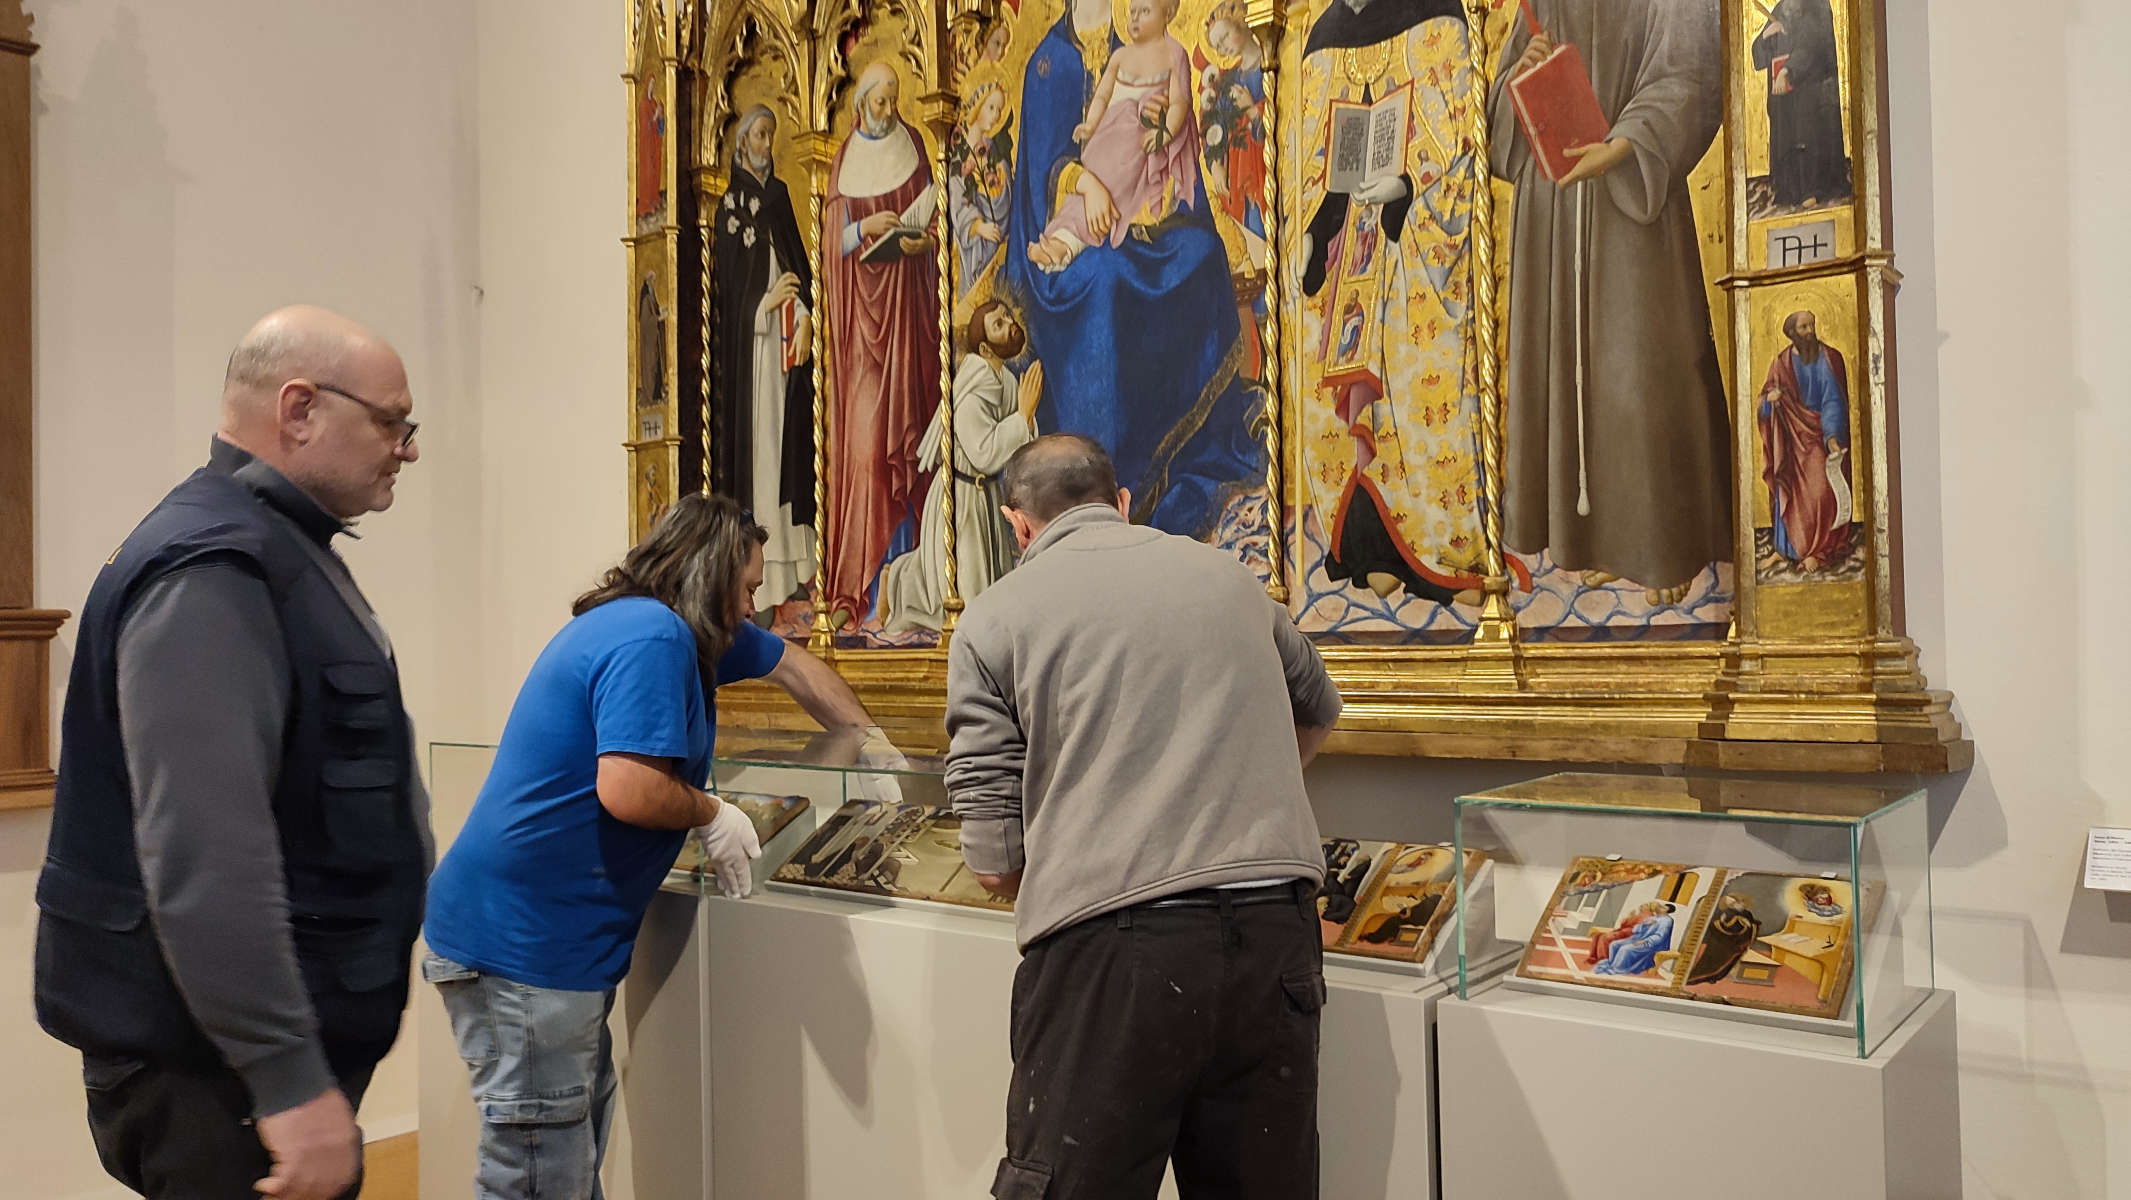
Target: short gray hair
[[1056, 472], [759, 112]]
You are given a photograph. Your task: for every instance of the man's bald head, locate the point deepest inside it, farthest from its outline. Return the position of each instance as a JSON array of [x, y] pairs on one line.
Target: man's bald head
[[1056, 472], [300, 341], [325, 402]]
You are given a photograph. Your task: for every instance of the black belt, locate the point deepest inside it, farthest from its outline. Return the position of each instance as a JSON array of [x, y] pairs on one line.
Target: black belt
[[1291, 892]]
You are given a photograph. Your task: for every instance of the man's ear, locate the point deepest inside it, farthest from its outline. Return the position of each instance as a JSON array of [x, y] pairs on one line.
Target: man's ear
[[1024, 529], [1124, 503], [295, 409]]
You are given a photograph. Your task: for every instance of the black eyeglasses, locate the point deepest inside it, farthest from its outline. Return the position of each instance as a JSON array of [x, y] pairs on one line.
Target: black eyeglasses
[[392, 422]]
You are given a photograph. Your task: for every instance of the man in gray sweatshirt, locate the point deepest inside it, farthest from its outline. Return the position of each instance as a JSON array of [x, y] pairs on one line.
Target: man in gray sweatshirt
[[1130, 715]]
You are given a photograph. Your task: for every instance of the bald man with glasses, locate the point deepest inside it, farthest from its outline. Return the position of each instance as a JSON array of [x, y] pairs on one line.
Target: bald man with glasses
[[239, 838]]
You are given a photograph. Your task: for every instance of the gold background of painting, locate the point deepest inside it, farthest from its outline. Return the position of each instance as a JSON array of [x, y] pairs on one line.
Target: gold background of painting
[[1762, 698], [652, 244]]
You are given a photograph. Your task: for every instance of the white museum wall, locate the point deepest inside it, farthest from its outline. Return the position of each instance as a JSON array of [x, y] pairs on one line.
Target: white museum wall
[[454, 173], [196, 165]]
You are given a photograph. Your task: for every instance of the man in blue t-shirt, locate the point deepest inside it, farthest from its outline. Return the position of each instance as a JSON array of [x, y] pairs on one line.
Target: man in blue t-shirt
[[599, 777]]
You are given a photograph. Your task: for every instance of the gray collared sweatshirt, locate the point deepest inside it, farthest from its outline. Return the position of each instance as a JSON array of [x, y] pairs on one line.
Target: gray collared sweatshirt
[[1121, 710]]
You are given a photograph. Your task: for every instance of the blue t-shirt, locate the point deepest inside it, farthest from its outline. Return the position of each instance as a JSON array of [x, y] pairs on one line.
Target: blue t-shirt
[[544, 886]]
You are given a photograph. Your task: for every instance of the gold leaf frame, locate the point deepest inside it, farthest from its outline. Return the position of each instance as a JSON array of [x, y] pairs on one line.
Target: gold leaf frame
[[1812, 676]]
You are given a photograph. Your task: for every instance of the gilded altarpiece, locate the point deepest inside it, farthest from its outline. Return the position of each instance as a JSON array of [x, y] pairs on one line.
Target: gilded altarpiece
[[1560, 447]]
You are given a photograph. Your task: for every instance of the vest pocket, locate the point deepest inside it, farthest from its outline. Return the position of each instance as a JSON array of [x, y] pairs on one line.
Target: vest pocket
[[85, 899], [101, 982], [358, 696], [360, 801]]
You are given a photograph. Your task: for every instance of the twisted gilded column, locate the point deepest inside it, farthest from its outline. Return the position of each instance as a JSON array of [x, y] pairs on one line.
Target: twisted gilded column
[[703, 374], [1267, 28], [816, 145], [952, 601], [1498, 624]]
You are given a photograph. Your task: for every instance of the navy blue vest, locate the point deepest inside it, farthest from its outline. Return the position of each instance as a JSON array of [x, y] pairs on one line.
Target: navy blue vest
[[351, 856]]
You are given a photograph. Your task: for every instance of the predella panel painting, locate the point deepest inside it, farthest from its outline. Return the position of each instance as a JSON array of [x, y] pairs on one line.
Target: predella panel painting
[[1749, 939]]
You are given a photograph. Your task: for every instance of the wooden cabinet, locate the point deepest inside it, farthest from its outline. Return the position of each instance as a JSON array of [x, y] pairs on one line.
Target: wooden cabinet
[[26, 632]]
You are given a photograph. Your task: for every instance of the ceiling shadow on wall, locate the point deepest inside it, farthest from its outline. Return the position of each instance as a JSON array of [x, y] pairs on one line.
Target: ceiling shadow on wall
[[105, 231]]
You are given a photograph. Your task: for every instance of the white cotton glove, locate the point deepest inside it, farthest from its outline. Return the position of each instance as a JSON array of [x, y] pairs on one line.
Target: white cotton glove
[[729, 845], [877, 753], [873, 777]]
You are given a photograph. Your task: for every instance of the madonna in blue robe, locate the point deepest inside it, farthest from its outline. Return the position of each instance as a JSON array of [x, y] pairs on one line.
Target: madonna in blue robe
[[1637, 953], [1140, 342]]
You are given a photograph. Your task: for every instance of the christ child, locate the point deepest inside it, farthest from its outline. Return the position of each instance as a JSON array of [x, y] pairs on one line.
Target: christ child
[[1138, 141]]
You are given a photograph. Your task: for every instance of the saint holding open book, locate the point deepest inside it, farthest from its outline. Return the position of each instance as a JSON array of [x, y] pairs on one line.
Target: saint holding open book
[[883, 305], [1394, 481]]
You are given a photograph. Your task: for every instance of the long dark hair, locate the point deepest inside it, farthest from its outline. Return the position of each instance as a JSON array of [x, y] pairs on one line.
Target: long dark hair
[[690, 562]]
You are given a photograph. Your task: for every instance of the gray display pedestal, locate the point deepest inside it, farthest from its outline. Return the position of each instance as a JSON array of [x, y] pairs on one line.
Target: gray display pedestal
[[804, 1045], [1552, 1096]]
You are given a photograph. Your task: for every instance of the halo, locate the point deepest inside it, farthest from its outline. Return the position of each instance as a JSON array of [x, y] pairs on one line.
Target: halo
[[974, 89], [1226, 10]]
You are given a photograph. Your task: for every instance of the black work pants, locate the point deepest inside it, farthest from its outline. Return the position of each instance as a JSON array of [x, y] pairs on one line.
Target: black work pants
[[1159, 1034], [174, 1134]]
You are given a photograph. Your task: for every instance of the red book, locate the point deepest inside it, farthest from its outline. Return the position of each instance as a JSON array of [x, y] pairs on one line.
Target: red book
[[1558, 109], [787, 326]]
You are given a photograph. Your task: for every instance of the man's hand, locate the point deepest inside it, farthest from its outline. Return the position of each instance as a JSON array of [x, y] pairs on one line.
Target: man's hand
[[1389, 190], [879, 223], [1006, 887], [915, 244], [988, 231], [1031, 393], [1541, 45], [1101, 210], [1596, 159], [315, 1146]]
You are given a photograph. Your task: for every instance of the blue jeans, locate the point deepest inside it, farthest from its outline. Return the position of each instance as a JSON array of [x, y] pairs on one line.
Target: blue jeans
[[542, 1064]]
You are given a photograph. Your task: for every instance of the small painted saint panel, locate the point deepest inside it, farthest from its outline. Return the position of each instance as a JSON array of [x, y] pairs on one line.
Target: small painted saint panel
[[1808, 525], [1799, 158]]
